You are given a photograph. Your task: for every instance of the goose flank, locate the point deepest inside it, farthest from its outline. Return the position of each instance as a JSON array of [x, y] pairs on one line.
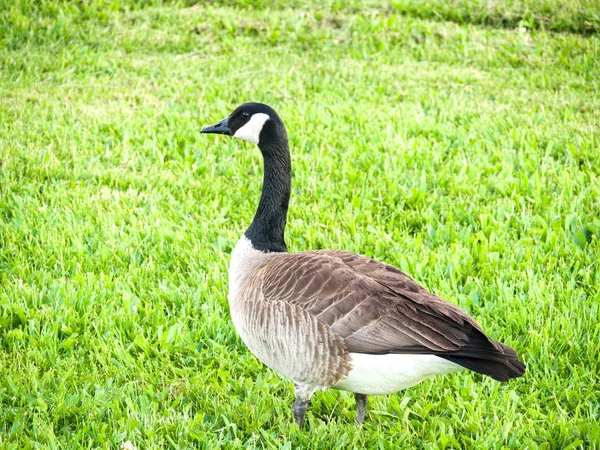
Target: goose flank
[[335, 319]]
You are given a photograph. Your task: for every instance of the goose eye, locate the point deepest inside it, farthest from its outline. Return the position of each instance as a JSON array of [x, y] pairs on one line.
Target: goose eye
[[245, 115]]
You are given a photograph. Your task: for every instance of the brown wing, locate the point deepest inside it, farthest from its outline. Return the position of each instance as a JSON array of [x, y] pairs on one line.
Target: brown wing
[[378, 309]]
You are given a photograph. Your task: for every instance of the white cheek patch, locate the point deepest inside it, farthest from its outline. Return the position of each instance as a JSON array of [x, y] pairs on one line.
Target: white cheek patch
[[251, 131]]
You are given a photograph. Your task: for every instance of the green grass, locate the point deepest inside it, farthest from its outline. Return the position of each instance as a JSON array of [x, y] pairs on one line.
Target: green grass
[[576, 16], [466, 155]]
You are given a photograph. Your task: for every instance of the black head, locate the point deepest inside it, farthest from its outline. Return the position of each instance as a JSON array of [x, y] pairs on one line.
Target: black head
[[252, 122], [260, 124]]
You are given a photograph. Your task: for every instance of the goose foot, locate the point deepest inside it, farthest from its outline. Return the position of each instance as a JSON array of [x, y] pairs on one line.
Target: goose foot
[[361, 407]]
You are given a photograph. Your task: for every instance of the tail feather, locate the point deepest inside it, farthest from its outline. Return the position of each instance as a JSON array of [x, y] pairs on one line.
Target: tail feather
[[500, 362]]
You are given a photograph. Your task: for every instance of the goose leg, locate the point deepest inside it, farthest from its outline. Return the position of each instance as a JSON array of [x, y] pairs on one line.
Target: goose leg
[[303, 395], [361, 407], [300, 407]]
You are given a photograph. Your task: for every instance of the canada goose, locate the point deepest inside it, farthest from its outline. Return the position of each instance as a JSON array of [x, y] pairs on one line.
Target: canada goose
[[334, 319]]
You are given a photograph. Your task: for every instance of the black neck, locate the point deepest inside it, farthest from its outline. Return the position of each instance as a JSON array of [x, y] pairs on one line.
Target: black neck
[[268, 227]]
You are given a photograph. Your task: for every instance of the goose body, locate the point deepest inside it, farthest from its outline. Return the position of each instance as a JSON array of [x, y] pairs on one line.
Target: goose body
[[335, 319]]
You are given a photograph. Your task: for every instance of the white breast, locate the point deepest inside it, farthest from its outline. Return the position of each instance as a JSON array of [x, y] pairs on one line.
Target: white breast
[[245, 260], [385, 374]]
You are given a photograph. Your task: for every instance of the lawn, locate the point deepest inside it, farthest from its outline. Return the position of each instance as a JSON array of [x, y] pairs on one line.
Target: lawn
[[460, 144]]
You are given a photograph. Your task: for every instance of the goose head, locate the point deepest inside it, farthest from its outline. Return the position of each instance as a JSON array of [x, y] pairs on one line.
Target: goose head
[[253, 122], [261, 125]]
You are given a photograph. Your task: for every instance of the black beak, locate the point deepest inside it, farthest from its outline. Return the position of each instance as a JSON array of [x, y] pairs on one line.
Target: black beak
[[221, 127]]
